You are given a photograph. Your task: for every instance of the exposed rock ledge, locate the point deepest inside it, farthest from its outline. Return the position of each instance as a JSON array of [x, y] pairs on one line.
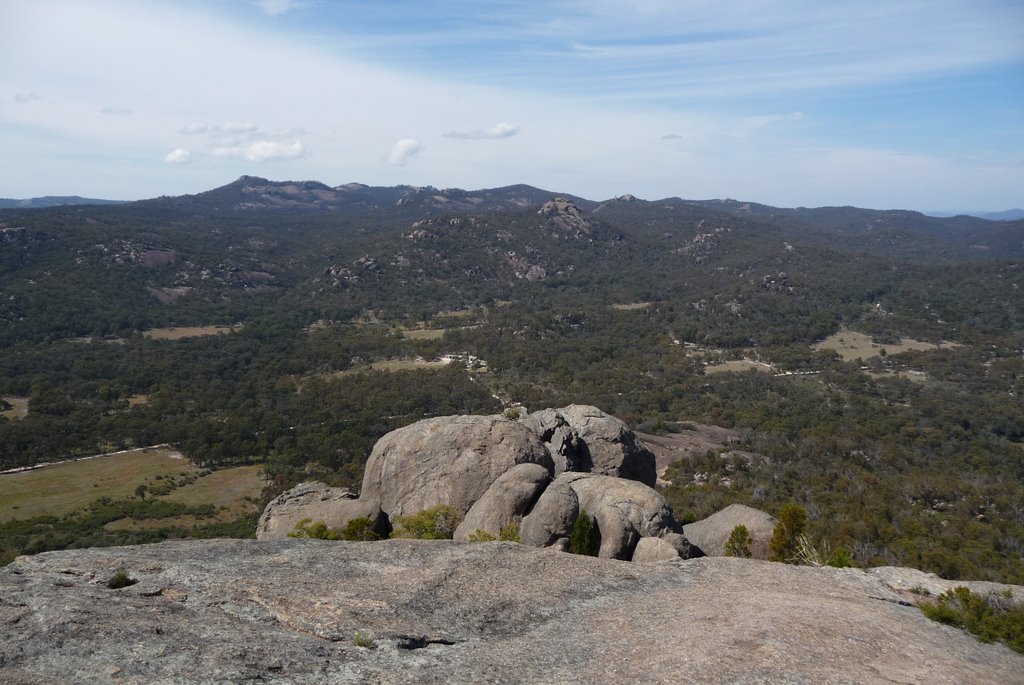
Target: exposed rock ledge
[[286, 611]]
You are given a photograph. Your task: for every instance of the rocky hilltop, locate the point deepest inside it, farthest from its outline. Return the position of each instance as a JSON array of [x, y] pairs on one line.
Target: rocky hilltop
[[408, 611]]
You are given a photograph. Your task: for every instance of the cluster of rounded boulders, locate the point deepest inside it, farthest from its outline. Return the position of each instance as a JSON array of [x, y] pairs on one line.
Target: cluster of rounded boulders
[[539, 473], [584, 438]]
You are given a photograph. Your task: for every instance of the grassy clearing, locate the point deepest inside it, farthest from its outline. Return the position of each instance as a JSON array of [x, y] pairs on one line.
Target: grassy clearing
[[138, 400], [63, 488], [852, 345], [188, 332], [738, 366], [423, 333], [19, 407], [393, 365], [233, 492], [631, 306]]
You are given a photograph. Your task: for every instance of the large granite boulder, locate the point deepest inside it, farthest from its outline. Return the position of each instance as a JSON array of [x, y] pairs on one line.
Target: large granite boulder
[[506, 501], [449, 460], [298, 612], [584, 438], [320, 503], [624, 510], [712, 533], [554, 514]]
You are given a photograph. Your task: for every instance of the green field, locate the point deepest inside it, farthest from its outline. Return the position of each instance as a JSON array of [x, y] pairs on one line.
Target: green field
[[63, 488]]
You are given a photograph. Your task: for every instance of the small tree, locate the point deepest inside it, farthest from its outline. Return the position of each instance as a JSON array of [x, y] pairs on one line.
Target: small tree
[[582, 539], [792, 521], [738, 544]]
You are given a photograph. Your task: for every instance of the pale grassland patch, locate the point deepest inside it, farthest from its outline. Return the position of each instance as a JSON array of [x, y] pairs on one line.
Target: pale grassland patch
[[738, 366], [63, 488], [19, 407], [423, 333], [631, 306], [138, 400], [188, 332], [852, 345]]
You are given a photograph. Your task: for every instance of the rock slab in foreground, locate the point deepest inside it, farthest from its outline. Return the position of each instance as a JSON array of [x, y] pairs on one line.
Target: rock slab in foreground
[[286, 611]]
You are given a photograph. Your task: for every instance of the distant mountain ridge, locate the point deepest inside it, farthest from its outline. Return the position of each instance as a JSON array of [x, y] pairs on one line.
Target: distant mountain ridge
[[54, 201]]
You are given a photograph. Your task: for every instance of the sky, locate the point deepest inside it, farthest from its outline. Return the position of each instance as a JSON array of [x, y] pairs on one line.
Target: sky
[[915, 104]]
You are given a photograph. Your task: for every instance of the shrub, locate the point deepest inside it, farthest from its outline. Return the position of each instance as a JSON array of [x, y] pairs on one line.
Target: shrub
[[359, 530], [120, 579], [438, 523], [306, 528], [582, 539], [792, 521], [510, 533], [990, 618], [364, 639], [480, 535], [514, 413], [738, 544]]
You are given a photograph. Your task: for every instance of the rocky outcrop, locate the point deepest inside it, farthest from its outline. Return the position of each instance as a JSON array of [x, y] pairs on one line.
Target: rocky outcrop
[[496, 471], [566, 218], [450, 460], [584, 438], [506, 501], [289, 611], [711, 534], [316, 502]]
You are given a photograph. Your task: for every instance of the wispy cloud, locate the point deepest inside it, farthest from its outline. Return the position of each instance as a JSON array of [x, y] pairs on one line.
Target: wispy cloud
[[403, 151], [502, 130], [276, 7], [178, 156], [22, 98], [117, 111], [671, 136]]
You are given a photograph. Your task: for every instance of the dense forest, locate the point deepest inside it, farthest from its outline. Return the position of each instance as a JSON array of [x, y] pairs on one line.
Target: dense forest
[[339, 300]]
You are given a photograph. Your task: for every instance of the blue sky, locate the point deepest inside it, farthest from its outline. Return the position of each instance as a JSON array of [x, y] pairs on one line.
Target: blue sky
[[905, 103]]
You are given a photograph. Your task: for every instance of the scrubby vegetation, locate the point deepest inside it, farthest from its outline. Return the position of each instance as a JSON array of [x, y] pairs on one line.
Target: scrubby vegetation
[[911, 458], [992, 618]]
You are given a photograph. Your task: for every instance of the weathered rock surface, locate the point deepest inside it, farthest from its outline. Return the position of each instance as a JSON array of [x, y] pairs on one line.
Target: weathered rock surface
[[450, 460], [584, 438], [317, 502], [712, 533], [287, 611], [506, 501], [625, 511], [553, 515], [650, 550]]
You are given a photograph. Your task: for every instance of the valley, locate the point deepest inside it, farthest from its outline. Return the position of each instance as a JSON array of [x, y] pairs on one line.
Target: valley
[[868, 364]]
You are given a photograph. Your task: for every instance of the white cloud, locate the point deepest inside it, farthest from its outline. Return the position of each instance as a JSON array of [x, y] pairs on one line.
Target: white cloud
[[262, 151], [194, 128], [179, 156], [234, 127], [117, 111], [276, 7], [502, 130], [403, 151]]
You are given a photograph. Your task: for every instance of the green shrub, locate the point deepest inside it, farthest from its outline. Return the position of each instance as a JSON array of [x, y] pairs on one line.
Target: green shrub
[[306, 528], [480, 535], [792, 520], [582, 539], [510, 533], [991, 618], [120, 579], [360, 530], [514, 413], [738, 544], [438, 523], [364, 639]]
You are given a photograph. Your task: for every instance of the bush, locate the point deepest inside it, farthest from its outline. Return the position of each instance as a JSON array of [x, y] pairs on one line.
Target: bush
[[315, 531], [120, 579], [438, 523], [792, 520], [360, 530], [582, 539], [991, 618], [810, 555], [738, 544], [509, 533]]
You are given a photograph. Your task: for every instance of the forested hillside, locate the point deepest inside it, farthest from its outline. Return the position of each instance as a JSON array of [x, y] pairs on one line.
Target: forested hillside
[[903, 437]]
